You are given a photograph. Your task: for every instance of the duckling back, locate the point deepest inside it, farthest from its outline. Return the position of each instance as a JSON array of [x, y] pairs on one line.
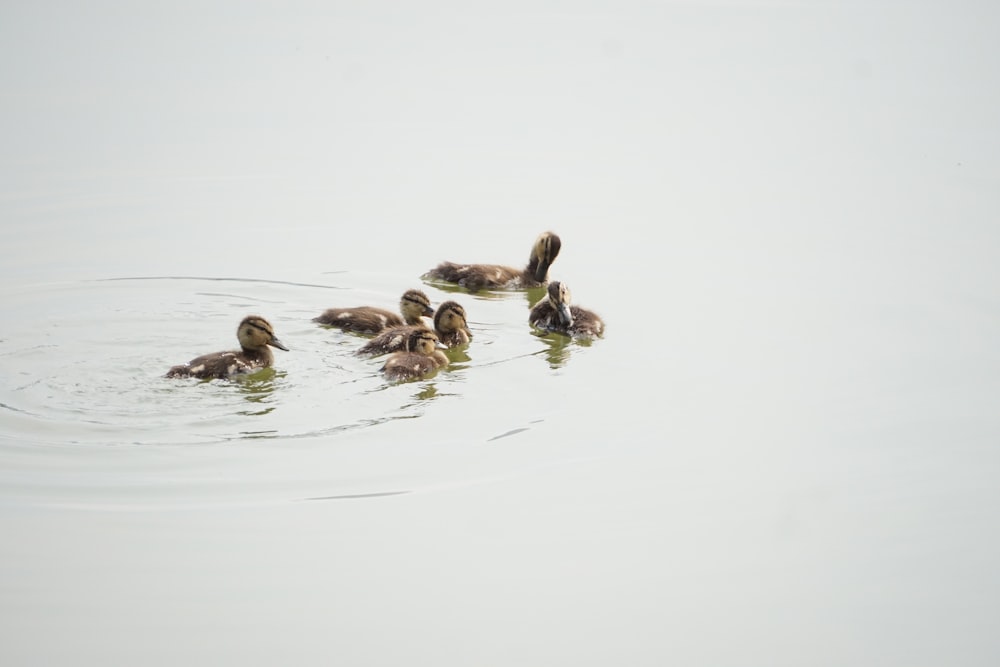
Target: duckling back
[[219, 365], [410, 365], [475, 277], [420, 357], [392, 339], [362, 319], [413, 305], [585, 323]]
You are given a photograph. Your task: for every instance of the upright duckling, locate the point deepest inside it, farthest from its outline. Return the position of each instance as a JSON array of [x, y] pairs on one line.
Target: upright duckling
[[450, 326], [255, 334], [413, 305], [556, 313], [420, 357], [478, 276]]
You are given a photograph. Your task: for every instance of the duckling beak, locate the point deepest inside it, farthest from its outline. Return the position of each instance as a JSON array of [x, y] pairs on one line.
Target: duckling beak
[[564, 315], [428, 311], [274, 342]]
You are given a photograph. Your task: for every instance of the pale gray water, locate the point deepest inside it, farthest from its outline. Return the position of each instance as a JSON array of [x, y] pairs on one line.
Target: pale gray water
[[784, 452]]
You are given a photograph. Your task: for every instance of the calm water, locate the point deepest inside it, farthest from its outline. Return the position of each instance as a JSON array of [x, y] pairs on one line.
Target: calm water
[[784, 451]]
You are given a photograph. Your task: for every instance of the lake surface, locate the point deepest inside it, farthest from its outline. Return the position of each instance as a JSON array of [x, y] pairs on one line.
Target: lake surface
[[784, 451]]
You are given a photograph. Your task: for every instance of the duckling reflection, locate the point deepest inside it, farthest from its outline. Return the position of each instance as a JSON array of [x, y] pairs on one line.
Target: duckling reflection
[[258, 390], [420, 358], [475, 277], [535, 294], [413, 305], [255, 335], [450, 326], [557, 349], [556, 313], [427, 393], [484, 295]]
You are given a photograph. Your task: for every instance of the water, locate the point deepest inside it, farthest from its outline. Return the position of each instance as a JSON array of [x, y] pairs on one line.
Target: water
[[783, 452]]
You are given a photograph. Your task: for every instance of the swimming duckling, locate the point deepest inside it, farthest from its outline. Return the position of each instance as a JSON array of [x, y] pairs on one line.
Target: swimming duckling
[[555, 313], [449, 324], [255, 334], [477, 276], [420, 357], [413, 305]]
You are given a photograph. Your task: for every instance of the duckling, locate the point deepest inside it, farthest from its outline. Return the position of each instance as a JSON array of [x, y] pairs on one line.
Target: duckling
[[449, 324], [255, 334], [556, 313], [420, 357], [478, 276], [413, 305]]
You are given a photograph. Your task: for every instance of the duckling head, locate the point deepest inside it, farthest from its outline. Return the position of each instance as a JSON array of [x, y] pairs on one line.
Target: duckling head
[[450, 317], [423, 342], [255, 333], [560, 298], [543, 253], [414, 304]]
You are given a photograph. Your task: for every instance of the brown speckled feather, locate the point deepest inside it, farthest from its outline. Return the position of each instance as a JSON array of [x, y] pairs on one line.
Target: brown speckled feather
[[363, 319], [408, 365], [479, 276], [223, 364], [475, 277], [390, 340], [413, 305]]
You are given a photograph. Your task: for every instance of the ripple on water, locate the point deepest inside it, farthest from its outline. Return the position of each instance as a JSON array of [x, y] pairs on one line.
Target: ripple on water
[[84, 363]]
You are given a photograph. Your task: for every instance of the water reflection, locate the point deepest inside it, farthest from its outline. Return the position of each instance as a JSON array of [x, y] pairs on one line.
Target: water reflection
[[258, 388], [427, 393], [559, 347], [427, 389], [258, 435], [533, 294], [458, 355], [452, 288]]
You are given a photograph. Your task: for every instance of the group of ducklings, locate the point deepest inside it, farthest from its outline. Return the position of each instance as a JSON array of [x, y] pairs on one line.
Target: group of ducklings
[[414, 349]]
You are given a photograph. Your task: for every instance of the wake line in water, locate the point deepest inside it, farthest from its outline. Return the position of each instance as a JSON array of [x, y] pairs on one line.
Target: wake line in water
[[5, 406], [513, 358], [351, 496], [315, 433], [217, 279]]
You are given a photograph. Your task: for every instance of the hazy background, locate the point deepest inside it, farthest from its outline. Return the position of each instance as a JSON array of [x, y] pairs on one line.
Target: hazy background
[[783, 453]]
